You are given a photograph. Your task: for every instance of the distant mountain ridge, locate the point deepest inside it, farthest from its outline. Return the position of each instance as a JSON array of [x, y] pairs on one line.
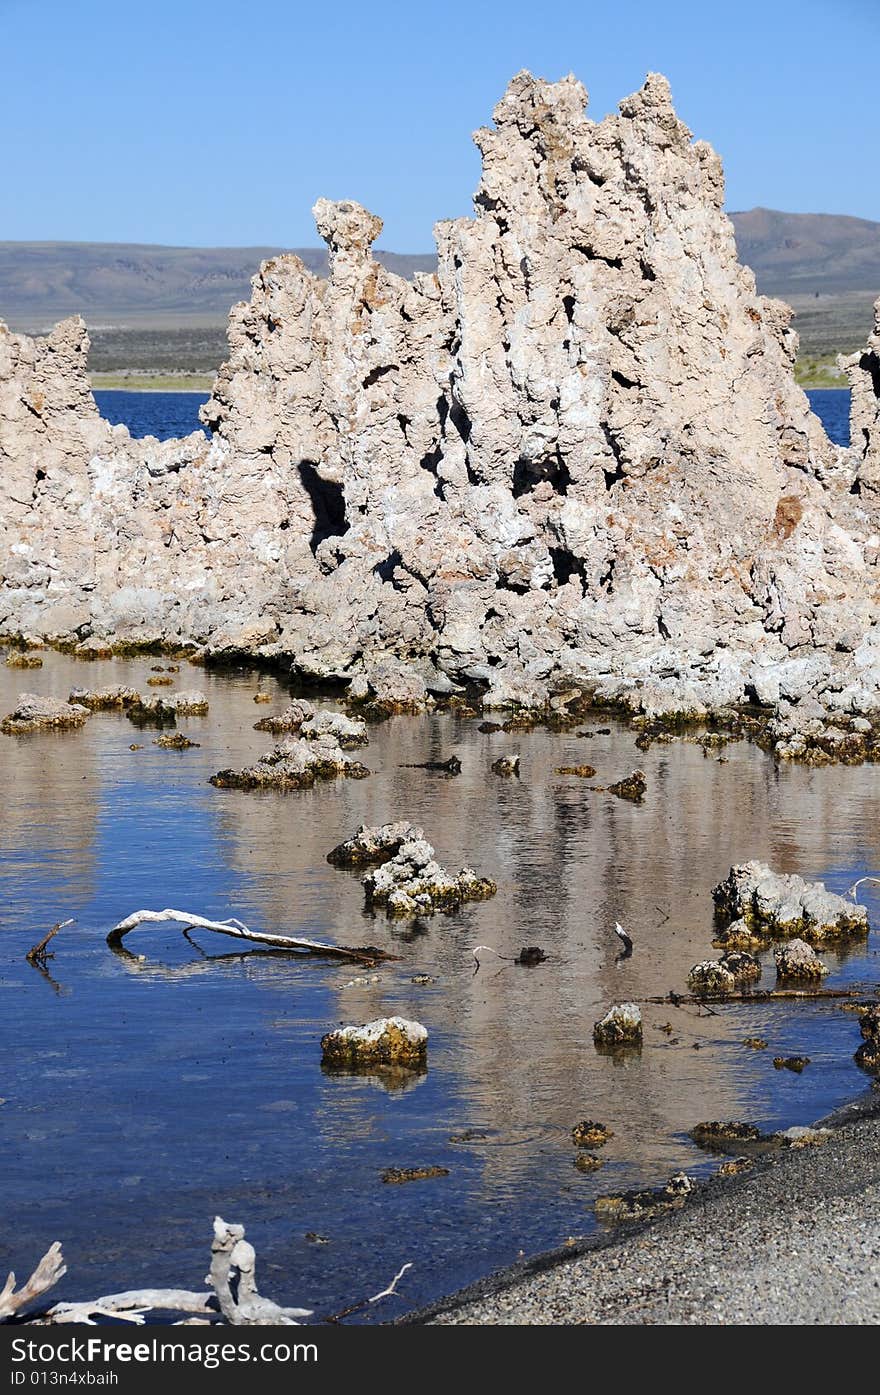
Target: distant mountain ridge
[[133, 283], [826, 265], [802, 253]]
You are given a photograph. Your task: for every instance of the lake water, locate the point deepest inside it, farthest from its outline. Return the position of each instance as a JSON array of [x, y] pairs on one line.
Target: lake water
[[167, 414], [143, 1097]]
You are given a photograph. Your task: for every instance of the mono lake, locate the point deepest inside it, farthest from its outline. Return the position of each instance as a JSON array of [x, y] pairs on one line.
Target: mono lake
[[167, 414], [144, 1096]]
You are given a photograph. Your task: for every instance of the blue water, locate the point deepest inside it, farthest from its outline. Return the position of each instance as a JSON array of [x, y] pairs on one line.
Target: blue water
[[831, 406], [146, 1095], [160, 414], [167, 414]]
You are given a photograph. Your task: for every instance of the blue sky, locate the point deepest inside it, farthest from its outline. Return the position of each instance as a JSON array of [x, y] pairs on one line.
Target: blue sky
[[221, 123]]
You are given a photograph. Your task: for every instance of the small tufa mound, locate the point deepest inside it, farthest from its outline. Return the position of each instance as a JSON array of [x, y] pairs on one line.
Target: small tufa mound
[[720, 1135], [798, 960], [784, 906], [590, 1134], [412, 883], [792, 1063], [709, 977], [744, 966], [36, 713], [385, 1042], [868, 1054], [160, 680], [262, 697], [586, 772], [293, 765], [115, 696], [397, 1175], [621, 1026], [756, 1043], [636, 1205], [506, 765], [737, 936], [175, 742], [376, 844], [22, 659], [291, 719], [632, 788], [348, 731], [164, 708]]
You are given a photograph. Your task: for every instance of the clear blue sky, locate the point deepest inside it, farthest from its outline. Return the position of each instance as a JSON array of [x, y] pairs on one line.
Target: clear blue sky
[[190, 122]]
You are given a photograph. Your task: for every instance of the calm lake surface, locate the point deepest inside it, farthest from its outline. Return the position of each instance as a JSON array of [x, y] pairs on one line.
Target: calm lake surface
[[142, 1097], [167, 414]]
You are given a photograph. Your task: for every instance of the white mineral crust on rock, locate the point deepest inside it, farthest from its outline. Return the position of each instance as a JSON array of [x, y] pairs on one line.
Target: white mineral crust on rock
[[575, 454]]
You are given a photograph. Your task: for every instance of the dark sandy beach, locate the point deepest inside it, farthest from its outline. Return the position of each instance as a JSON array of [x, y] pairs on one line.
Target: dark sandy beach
[[794, 1241]]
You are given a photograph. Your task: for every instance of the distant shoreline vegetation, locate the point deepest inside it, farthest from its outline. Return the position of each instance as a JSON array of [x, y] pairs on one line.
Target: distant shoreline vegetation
[[811, 371]]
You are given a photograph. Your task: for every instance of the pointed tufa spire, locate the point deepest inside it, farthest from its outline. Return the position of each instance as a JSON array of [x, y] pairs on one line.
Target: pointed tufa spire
[[346, 226]]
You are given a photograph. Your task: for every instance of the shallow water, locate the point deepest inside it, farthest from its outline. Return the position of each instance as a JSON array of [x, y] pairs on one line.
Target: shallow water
[[146, 1097]]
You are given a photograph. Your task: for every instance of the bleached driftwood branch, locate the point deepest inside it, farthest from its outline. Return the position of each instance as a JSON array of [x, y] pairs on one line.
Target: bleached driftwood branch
[[234, 1298], [233, 1279], [239, 931], [50, 1269], [134, 1306], [853, 890]]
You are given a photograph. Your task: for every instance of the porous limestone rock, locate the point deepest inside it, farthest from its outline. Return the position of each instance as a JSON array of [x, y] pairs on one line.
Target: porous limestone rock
[[785, 906], [33, 712], [292, 765], [711, 976], [115, 695], [621, 1026], [386, 1042], [721, 1134], [291, 719], [348, 731], [573, 458], [167, 707], [412, 883], [744, 966], [590, 1134], [868, 1054], [798, 960], [637, 1205], [375, 844], [20, 658]]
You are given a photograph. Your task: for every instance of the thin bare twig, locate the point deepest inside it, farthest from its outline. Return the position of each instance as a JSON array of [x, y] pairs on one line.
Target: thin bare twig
[[39, 954], [386, 1292]]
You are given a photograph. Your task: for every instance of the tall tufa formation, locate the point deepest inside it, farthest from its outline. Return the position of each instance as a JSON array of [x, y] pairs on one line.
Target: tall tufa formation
[[576, 454]]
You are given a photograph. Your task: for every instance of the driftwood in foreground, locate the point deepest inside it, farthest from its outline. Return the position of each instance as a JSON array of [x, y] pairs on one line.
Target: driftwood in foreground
[[233, 1298], [368, 954]]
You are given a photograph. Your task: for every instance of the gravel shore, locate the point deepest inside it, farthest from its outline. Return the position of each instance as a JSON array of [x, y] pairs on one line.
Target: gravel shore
[[794, 1241]]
